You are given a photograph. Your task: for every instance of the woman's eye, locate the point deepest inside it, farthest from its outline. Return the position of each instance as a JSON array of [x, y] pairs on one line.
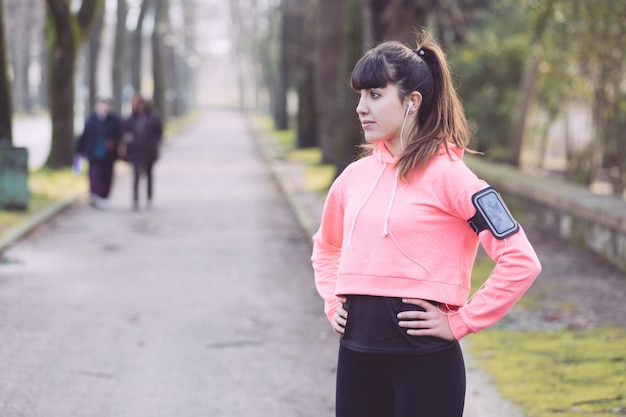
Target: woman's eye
[[374, 94]]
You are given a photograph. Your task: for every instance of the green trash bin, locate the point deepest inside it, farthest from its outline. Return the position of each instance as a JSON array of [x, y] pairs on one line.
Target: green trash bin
[[13, 178]]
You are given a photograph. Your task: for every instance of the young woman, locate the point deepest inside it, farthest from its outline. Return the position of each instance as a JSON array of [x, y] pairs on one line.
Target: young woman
[[98, 143], [143, 132], [398, 238]]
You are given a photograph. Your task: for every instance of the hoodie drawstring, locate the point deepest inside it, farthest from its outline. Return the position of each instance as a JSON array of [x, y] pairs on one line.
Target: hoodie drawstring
[[385, 231], [380, 174]]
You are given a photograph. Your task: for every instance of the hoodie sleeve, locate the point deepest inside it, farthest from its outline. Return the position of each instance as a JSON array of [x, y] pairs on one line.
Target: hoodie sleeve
[[327, 244], [517, 266]]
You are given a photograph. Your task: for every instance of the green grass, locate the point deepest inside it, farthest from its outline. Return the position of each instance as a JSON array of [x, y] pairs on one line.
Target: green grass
[[176, 125], [558, 373], [317, 176], [46, 187]]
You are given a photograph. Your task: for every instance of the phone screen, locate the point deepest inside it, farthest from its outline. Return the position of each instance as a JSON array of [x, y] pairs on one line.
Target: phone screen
[[495, 215]]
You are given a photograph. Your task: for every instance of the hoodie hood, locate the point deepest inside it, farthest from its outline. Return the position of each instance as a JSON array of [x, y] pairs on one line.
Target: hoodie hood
[[383, 155]]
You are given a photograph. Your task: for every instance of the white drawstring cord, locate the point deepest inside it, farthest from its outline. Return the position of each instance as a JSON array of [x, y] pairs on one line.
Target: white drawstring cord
[[385, 231], [380, 174]]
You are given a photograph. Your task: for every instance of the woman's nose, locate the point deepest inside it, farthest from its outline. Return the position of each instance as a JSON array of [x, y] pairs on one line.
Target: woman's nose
[[361, 108]]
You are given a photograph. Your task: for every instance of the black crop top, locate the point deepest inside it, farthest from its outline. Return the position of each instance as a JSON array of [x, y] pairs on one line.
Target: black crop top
[[372, 327]]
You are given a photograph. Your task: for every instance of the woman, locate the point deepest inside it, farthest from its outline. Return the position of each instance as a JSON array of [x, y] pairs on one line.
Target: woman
[[98, 143], [399, 234], [143, 132]]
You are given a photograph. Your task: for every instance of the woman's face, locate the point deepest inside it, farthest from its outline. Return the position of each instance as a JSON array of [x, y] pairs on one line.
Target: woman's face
[[381, 113]]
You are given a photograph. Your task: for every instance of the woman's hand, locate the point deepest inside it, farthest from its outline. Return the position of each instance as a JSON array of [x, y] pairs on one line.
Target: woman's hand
[[430, 322], [128, 137], [340, 318]]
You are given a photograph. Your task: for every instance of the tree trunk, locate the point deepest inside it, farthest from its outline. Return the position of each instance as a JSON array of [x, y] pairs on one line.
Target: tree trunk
[[527, 90], [14, 44], [282, 78], [307, 108], [347, 145], [529, 81], [137, 41], [157, 56], [6, 112], [93, 59], [171, 70], [63, 44], [302, 39], [42, 89], [26, 102], [20, 24], [187, 68], [119, 55], [329, 80], [393, 20], [61, 64], [237, 28]]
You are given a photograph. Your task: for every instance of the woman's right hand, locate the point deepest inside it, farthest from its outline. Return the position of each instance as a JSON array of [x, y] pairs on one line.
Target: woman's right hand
[[340, 318], [128, 137]]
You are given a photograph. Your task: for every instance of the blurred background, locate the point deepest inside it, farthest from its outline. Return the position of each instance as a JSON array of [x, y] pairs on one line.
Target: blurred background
[[542, 81]]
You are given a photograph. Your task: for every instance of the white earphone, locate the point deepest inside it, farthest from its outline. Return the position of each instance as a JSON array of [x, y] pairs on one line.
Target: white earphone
[[408, 109]]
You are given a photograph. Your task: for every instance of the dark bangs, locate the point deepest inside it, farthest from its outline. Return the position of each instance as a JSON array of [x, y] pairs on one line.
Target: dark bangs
[[372, 71]]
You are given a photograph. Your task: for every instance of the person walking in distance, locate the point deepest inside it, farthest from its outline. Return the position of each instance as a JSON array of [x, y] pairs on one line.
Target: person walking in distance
[[398, 238], [143, 132], [98, 144]]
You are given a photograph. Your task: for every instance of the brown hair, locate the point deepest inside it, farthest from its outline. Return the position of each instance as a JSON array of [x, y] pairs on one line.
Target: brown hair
[[440, 117]]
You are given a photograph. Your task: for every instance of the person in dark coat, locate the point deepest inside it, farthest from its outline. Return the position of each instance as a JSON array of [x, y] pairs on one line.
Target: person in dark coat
[[143, 132], [98, 144]]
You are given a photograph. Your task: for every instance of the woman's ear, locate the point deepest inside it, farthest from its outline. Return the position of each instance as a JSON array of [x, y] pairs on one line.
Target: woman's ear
[[415, 99]]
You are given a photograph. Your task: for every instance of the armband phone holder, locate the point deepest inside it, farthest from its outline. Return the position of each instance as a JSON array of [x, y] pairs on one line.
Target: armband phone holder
[[492, 214]]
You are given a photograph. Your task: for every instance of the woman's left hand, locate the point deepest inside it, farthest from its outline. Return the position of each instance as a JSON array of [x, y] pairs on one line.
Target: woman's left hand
[[430, 322]]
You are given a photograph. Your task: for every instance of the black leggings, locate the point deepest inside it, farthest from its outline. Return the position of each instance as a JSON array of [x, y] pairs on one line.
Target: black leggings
[[378, 385], [140, 168]]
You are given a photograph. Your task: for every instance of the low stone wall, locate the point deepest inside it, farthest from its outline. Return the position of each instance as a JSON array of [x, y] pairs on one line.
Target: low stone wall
[[570, 212]]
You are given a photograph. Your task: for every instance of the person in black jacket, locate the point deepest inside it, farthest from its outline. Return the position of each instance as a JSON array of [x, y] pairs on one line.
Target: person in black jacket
[[143, 132], [98, 144]]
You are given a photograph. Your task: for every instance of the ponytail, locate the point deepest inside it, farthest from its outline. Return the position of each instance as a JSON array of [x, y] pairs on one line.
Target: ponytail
[[440, 118]]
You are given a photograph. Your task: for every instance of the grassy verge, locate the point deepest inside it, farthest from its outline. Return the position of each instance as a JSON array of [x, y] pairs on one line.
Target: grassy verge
[[317, 176], [46, 187], [556, 373]]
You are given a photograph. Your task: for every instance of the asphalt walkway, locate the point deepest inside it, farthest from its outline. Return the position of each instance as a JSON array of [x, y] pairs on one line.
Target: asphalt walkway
[[202, 306]]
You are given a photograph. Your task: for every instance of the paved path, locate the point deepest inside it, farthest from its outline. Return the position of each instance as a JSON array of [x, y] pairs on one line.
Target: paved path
[[202, 306]]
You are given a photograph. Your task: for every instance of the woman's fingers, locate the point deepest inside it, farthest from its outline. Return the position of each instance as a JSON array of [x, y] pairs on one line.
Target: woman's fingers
[[339, 320], [430, 322]]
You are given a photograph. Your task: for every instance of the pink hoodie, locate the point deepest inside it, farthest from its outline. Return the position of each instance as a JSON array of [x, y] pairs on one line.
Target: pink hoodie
[[381, 236]]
